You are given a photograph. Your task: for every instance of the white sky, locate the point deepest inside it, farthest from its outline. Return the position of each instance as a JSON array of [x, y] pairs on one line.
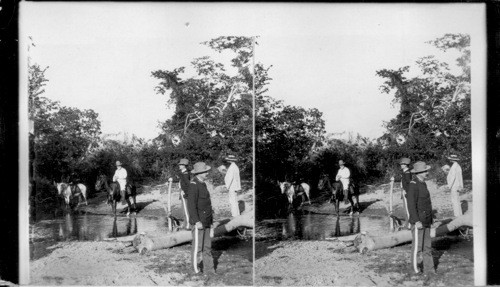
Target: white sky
[[324, 55]]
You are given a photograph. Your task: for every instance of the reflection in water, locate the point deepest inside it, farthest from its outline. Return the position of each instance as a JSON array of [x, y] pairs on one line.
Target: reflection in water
[[129, 229], [311, 226], [85, 227]]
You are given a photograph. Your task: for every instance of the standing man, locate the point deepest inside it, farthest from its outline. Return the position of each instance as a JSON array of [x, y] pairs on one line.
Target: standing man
[[455, 184], [201, 219], [405, 183], [420, 209], [120, 176], [184, 187], [233, 184], [344, 175]]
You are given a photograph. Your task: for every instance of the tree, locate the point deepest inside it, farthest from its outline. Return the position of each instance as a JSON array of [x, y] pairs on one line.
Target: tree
[[213, 110], [434, 116], [63, 136], [285, 136]]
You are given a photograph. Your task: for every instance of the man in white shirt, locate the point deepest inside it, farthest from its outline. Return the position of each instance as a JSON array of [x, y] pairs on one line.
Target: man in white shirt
[[233, 184], [344, 175], [455, 183], [120, 177]]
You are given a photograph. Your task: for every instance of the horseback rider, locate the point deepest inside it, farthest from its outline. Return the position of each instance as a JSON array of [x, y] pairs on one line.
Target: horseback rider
[[344, 175], [73, 181], [120, 176]]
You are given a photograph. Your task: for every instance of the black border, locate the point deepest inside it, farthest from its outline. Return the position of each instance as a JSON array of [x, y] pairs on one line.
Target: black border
[[9, 145], [9, 148]]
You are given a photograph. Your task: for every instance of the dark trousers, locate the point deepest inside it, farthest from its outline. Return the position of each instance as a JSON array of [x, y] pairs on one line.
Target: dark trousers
[[201, 250], [421, 250]]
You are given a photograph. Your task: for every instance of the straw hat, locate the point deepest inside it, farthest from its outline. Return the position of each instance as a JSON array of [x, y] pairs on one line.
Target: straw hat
[[118, 163], [453, 157], [231, 158], [184, 161], [200, 167], [405, 160], [419, 167]]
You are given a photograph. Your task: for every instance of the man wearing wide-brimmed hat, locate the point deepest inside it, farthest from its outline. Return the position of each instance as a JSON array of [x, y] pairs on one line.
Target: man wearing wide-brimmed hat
[[405, 182], [184, 187], [233, 184], [120, 176], [420, 209], [201, 218], [455, 184]]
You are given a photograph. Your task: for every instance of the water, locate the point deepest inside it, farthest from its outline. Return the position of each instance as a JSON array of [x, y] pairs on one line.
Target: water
[[87, 227], [312, 226]]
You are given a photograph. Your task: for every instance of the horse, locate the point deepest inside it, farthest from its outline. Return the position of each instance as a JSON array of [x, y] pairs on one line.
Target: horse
[[293, 191], [114, 194], [68, 191], [338, 193], [336, 190]]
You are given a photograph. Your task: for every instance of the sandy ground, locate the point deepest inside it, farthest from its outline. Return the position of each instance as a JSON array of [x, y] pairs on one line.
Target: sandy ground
[[117, 263], [338, 263]]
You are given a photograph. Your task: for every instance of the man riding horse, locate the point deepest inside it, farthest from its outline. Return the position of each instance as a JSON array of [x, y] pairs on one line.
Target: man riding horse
[[350, 190], [120, 176], [73, 181]]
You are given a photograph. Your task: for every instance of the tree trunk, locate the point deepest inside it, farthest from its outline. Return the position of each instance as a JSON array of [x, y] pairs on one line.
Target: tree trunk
[[365, 242], [153, 241]]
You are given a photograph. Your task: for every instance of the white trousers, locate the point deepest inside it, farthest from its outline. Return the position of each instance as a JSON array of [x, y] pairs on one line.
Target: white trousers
[[455, 201], [233, 202]]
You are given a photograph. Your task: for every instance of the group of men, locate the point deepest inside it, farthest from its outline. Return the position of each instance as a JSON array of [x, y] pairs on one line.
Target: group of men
[[198, 210], [197, 206], [417, 201]]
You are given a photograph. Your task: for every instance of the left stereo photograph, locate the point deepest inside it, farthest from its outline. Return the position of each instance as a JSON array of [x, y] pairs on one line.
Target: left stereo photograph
[[140, 127]]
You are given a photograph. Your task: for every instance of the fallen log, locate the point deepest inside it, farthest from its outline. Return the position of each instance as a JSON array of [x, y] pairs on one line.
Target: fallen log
[[154, 241], [364, 242]]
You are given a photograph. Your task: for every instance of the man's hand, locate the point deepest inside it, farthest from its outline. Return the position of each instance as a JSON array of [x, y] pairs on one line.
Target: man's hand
[[419, 225], [199, 225]]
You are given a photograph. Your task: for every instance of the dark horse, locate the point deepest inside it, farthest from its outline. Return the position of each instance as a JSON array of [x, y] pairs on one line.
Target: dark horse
[[114, 195], [337, 193]]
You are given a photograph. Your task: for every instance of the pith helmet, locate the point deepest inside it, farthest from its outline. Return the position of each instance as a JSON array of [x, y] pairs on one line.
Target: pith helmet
[[200, 167], [184, 161], [419, 167]]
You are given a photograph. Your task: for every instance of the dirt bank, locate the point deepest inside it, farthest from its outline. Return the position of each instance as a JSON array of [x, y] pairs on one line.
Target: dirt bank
[[338, 263], [117, 263]]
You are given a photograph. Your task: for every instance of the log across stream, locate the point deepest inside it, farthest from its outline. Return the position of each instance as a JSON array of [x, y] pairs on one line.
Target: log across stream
[[153, 241]]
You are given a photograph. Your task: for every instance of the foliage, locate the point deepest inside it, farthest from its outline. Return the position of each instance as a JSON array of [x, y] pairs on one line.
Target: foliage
[[213, 110], [63, 136], [285, 136], [434, 119]]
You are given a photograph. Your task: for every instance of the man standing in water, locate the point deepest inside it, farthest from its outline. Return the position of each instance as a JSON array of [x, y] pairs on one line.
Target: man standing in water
[[405, 183], [420, 209], [184, 187], [201, 219], [120, 176], [455, 184], [233, 184]]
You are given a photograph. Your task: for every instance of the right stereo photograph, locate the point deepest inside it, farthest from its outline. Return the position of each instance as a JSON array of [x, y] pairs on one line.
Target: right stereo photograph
[[363, 153]]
